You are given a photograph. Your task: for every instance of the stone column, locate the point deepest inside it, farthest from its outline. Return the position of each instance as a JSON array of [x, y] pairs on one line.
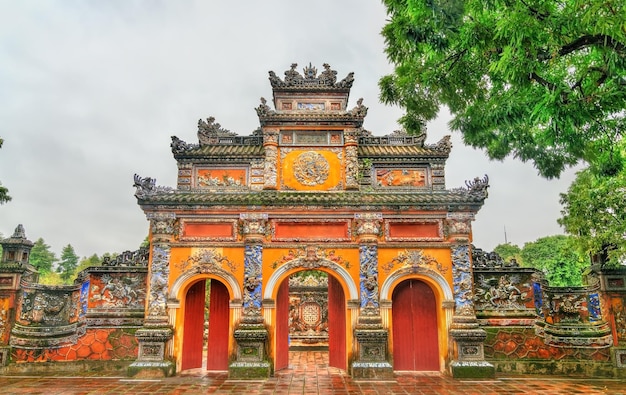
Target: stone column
[[352, 163], [372, 338], [468, 337], [251, 334], [156, 332], [270, 144]]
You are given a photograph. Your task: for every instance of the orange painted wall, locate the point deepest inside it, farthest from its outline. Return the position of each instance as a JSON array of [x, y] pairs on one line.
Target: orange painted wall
[[413, 230], [311, 230], [202, 229]]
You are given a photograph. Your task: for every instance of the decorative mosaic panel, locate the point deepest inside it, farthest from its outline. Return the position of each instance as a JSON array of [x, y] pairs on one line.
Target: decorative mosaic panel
[[503, 293], [117, 290]]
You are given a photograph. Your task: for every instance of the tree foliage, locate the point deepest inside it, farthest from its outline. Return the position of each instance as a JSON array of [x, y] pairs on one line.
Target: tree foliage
[[542, 80], [42, 257], [4, 192], [509, 252], [557, 257], [594, 211], [68, 263], [93, 260]]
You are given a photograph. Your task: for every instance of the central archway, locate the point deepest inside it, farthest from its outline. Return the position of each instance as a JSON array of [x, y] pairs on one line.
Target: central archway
[[336, 302]]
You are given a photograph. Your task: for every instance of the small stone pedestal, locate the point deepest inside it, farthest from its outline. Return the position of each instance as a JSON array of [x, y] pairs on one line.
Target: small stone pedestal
[[251, 363], [151, 359], [371, 337], [469, 339]]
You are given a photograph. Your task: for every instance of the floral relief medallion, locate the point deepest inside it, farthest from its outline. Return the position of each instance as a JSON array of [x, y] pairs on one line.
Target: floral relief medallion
[[311, 168]]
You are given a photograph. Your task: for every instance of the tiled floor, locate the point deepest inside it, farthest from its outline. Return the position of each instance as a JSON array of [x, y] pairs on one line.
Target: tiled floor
[[308, 373]]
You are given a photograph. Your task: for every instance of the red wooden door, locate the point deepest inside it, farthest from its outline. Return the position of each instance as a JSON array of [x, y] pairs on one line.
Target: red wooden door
[[336, 324], [415, 336], [193, 327], [219, 320], [281, 355]]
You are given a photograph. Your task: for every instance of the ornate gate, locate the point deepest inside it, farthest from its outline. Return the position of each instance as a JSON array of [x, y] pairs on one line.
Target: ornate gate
[[217, 338], [414, 314], [336, 325]]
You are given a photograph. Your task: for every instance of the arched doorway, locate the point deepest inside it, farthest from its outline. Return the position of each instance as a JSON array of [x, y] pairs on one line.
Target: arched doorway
[[336, 325], [198, 310], [414, 320]]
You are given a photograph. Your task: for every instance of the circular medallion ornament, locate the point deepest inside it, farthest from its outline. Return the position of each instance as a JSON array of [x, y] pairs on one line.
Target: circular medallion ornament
[[311, 168]]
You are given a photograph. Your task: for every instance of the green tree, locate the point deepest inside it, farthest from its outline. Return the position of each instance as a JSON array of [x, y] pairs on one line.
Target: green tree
[[4, 192], [594, 211], [85, 262], [508, 252], [68, 263], [42, 257], [541, 80], [557, 257]]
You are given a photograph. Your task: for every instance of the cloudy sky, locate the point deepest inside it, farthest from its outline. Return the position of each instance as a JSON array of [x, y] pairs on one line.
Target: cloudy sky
[[91, 91]]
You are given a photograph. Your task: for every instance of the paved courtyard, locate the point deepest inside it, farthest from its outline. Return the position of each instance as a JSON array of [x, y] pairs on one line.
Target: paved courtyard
[[308, 374]]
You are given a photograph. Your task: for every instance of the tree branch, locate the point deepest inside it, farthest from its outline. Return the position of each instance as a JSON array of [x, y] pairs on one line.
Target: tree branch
[[601, 40]]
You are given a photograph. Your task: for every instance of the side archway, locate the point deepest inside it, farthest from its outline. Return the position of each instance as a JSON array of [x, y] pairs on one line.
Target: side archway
[[426, 293]]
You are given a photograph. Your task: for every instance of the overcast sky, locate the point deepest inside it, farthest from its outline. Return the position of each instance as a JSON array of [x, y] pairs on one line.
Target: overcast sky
[[91, 91]]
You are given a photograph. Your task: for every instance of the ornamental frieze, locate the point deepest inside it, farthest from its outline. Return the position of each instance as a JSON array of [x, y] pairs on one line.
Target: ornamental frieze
[[415, 260], [207, 261], [212, 177], [311, 257]]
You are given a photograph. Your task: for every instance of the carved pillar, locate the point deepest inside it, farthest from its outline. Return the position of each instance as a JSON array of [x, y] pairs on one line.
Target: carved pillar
[[251, 334], [156, 332], [270, 144], [352, 163], [372, 338], [468, 337]]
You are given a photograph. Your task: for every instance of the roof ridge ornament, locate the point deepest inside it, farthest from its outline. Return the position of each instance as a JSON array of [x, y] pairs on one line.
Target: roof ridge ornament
[[209, 131], [146, 186], [19, 233], [360, 110], [443, 145], [310, 79], [478, 186], [263, 109]]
